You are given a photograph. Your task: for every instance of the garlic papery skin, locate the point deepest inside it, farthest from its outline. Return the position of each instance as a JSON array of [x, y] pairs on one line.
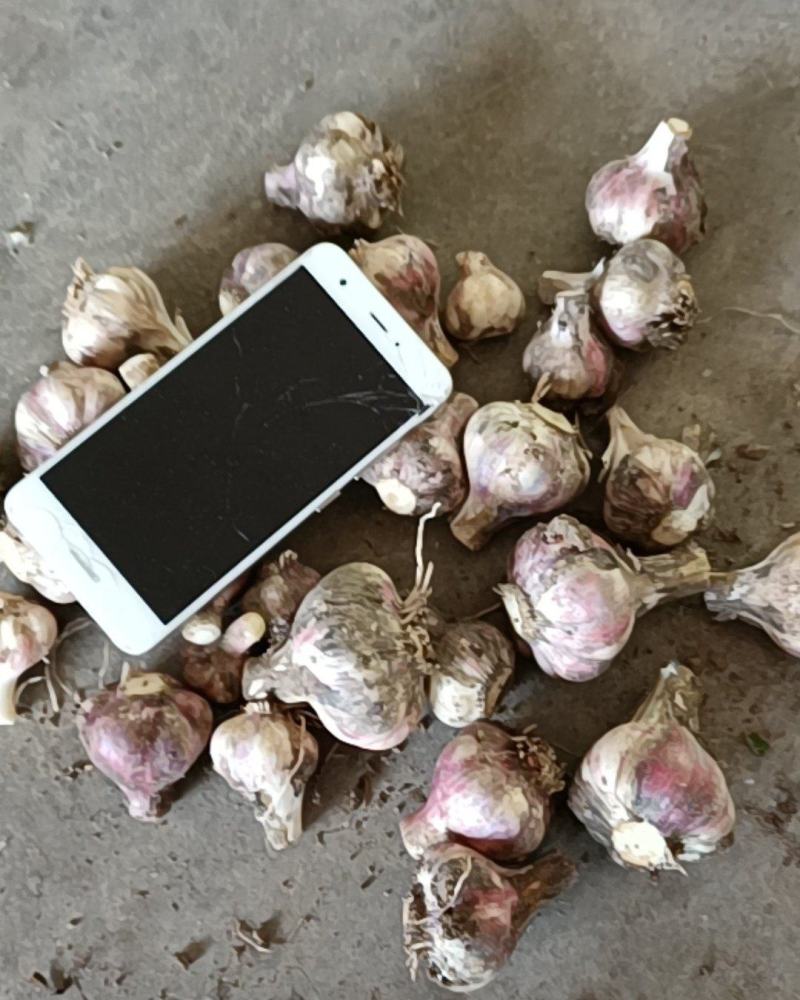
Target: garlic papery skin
[[656, 193], [648, 791], [404, 269], [138, 369], [59, 405], [345, 174], [27, 634], [574, 598], [27, 566], [766, 595], [522, 459], [215, 669], [485, 302], [426, 467], [465, 914], [490, 791], [357, 653], [569, 353], [250, 269], [473, 663], [658, 491], [268, 757], [278, 592], [117, 313]]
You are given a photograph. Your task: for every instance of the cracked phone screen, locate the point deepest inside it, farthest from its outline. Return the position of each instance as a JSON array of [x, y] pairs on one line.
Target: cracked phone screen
[[222, 452]]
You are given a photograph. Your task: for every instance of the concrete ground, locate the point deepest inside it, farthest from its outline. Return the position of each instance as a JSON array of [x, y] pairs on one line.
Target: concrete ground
[[137, 133]]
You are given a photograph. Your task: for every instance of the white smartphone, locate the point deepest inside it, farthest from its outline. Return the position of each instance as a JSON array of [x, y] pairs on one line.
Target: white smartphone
[[202, 469]]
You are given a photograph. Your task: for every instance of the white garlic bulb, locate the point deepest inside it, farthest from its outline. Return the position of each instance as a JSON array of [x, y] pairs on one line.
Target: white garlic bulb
[[250, 269], [27, 634], [485, 302], [27, 566], [119, 312]]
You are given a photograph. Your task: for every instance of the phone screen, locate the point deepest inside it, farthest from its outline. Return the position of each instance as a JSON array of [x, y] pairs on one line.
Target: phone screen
[[199, 471]]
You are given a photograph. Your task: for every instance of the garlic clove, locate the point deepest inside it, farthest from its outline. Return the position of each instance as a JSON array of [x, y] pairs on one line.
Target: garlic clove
[[638, 844], [654, 193], [59, 405], [27, 566], [279, 591], [205, 626], [568, 353], [473, 663], [404, 269], [111, 315], [138, 369], [522, 459], [250, 269], [485, 302], [345, 174], [658, 491], [27, 634], [426, 468]]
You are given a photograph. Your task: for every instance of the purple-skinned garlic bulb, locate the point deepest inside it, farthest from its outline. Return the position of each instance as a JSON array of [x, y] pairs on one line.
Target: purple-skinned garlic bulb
[[655, 192], [27, 634], [268, 756], [278, 592], [490, 791], [574, 598], [61, 403], [465, 914], [117, 313], [485, 302], [250, 269], [473, 663], [215, 669], [642, 296], [346, 174], [357, 653], [648, 791], [144, 734], [658, 491], [27, 566], [766, 595], [522, 459], [426, 468], [404, 269], [568, 352]]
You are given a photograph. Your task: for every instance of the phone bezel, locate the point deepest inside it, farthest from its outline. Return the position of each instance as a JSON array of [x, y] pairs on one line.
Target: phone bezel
[[96, 583]]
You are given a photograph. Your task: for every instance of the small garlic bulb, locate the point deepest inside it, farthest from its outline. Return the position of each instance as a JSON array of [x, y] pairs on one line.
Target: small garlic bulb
[[404, 269], [65, 399], [27, 634], [473, 662], [484, 302], [119, 312], [568, 352], [522, 459], [138, 369], [345, 174], [278, 592], [656, 192], [215, 669], [766, 595], [658, 491], [648, 791], [27, 566], [426, 467], [250, 269]]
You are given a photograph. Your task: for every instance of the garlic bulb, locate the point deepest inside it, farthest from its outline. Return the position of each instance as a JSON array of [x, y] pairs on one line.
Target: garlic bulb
[[658, 491], [357, 653], [404, 269], [27, 566], [656, 192], [215, 669], [766, 595], [569, 353], [484, 302], [27, 634], [138, 369], [119, 312], [574, 599], [59, 405], [278, 591], [250, 269], [490, 791], [522, 459], [465, 914], [648, 791], [268, 757], [345, 174], [473, 663], [426, 467]]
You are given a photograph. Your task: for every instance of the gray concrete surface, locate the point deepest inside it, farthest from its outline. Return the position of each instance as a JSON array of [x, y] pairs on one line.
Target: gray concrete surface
[[137, 133]]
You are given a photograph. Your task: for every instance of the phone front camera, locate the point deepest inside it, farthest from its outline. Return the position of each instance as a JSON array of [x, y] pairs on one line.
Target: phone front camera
[[343, 281]]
